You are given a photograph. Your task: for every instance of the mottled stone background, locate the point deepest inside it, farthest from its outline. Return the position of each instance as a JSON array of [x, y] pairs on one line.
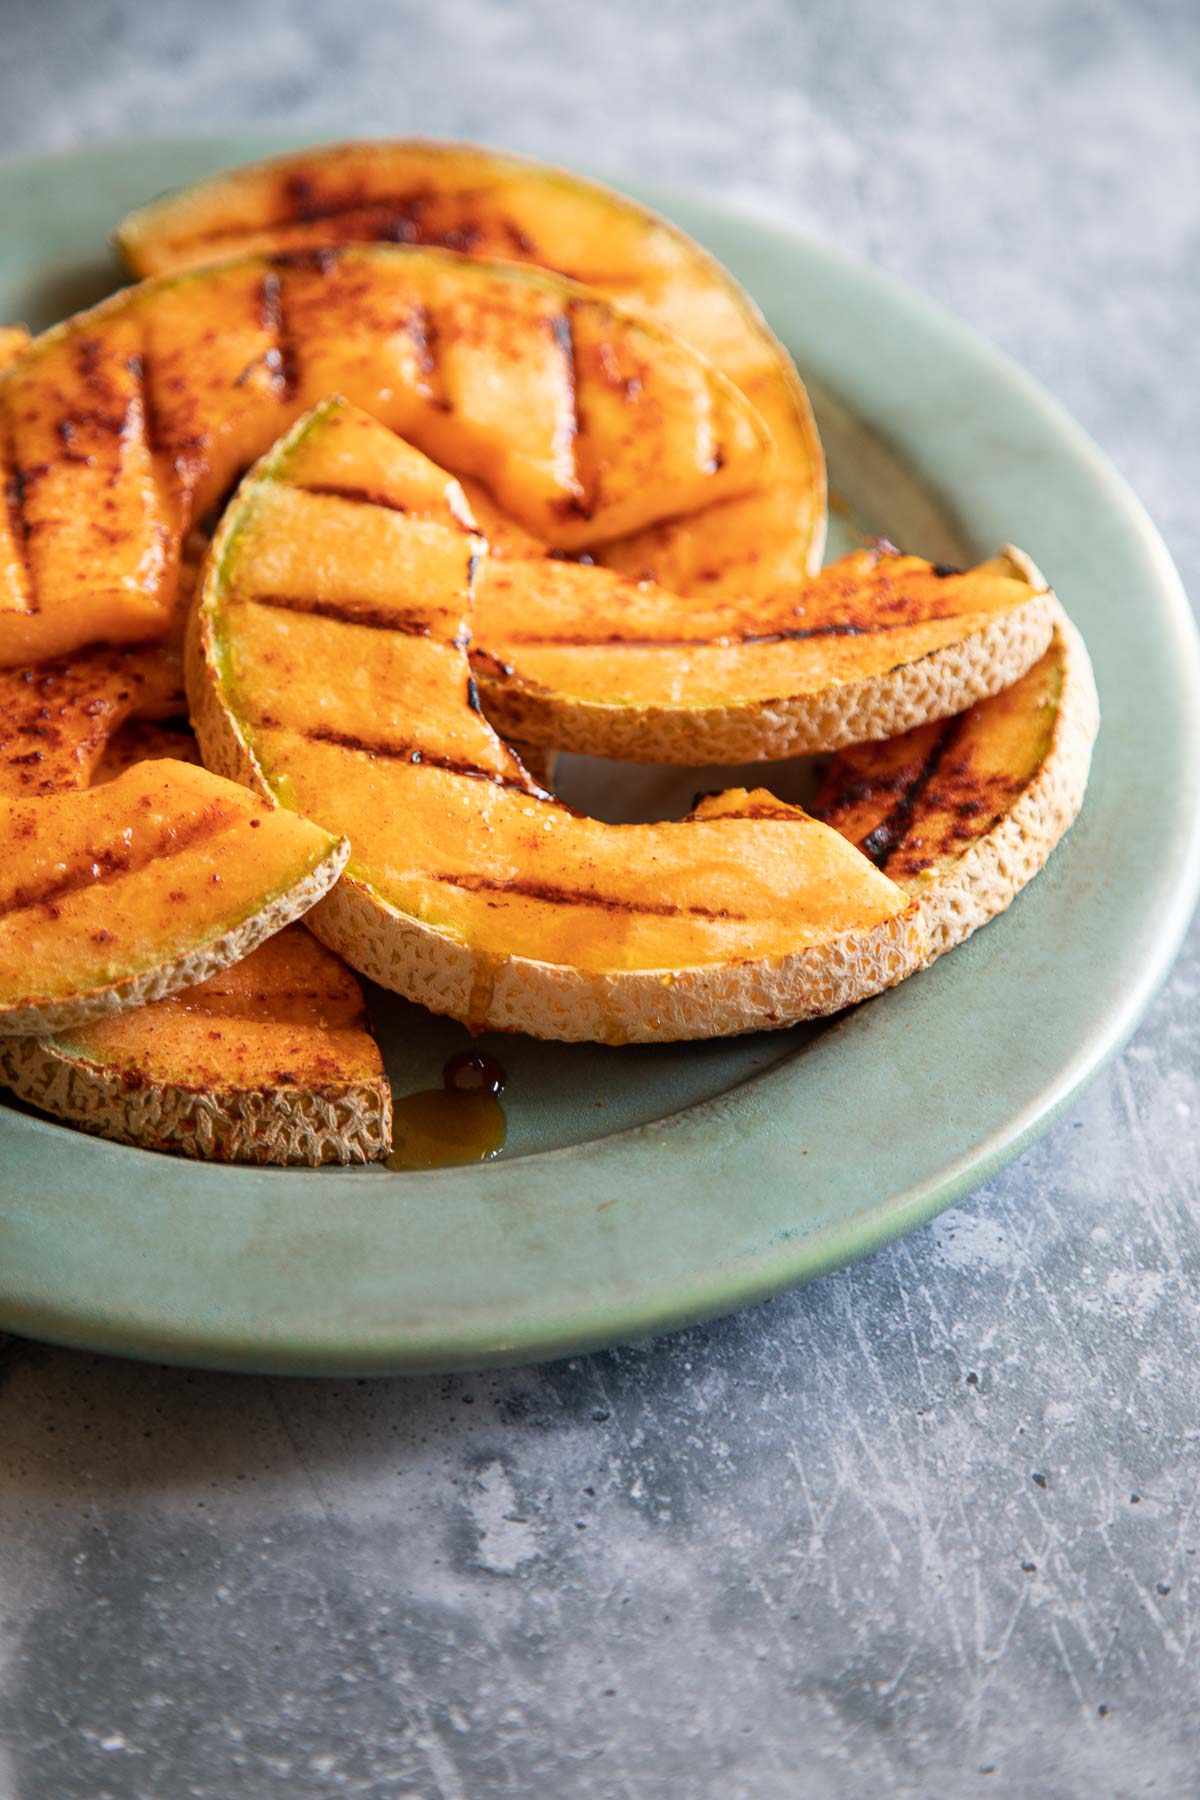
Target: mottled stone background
[[929, 1527]]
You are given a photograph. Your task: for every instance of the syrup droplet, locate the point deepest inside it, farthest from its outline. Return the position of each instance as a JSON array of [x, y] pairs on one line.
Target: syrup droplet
[[460, 1122]]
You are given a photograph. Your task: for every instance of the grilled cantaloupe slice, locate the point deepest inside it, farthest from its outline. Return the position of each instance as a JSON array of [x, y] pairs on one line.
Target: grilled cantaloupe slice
[[124, 425], [588, 660], [327, 666], [148, 884], [269, 1061], [964, 813], [482, 203]]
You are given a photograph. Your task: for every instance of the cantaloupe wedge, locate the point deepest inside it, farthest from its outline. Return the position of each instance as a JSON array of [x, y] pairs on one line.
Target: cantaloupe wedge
[[963, 814], [268, 1061], [339, 684], [483, 203], [591, 661], [121, 427], [148, 884]]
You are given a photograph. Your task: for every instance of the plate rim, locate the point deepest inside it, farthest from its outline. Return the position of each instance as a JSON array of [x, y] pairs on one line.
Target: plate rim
[[789, 1262]]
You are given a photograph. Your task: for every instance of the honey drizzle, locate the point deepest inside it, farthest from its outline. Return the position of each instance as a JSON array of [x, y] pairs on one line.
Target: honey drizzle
[[460, 1122], [483, 987]]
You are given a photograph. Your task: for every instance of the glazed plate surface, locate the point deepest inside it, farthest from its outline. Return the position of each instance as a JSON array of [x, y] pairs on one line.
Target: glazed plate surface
[[644, 1188]]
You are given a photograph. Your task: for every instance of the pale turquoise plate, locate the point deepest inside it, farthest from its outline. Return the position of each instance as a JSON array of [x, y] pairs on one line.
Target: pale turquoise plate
[[646, 1188]]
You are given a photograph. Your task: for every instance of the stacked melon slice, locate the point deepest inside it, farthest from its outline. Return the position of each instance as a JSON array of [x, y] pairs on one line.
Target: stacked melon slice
[[577, 505]]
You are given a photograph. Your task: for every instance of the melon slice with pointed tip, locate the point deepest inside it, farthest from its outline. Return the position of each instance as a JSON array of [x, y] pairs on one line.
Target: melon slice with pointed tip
[[118, 895], [878, 642]]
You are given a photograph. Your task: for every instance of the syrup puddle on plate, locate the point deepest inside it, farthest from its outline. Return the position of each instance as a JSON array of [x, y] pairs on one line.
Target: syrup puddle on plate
[[460, 1122]]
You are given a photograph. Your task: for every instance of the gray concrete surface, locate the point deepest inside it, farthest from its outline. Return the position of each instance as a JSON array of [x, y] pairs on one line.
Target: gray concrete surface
[[929, 1527]]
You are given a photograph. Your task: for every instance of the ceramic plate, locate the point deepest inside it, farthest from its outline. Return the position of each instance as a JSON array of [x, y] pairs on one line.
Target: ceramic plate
[[648, 1187]]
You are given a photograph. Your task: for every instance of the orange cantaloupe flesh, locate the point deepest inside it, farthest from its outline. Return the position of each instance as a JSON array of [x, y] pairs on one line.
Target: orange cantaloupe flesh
[[57, 718], [918, 802], [121, 427], [484, 203], [14, 341], [339, 631], [14, 584]]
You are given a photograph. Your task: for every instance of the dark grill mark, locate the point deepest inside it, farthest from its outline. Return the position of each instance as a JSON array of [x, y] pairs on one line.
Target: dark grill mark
[[803, 633], [563, 332], [520, 239], [394, 751], [559, 896], [388, 218], [321, 260], [490, 665], [280, 359], [564, 336], [569, 432], [88, 357], [423, 336], [788, 814], [107, 409], [157, 438], [399, 215], [882, 843], [342, 612], [16, 489], [102, 867], [358, 496], [300, 197], [725, 640], [152, 426]]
